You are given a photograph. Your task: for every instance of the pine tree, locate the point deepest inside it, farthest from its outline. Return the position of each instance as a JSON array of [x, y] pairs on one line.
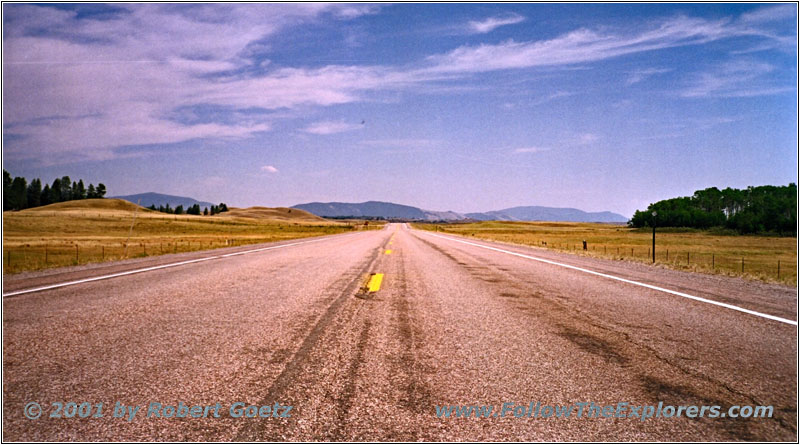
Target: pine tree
[[7, 181], [45, 197], [81, 190], [66, 189], [100, 190], [55, 191], [35, 193], [19, 193]]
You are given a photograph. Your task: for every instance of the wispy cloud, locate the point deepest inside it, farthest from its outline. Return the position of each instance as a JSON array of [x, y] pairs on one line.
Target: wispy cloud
[[398, 142], [81, 86], [706, 123], [770, 14], [738, 78], [91, 84], [551, 97], [587, 45], [269, 169], [331, 127], [492, 23], [642, 74], [530, 150]]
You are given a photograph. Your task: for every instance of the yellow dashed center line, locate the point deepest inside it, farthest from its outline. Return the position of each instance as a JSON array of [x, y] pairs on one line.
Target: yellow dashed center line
[[375, 281], [389, 252]]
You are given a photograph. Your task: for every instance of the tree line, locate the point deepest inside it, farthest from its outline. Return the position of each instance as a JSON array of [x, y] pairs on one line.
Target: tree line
[[191, 210], [763, 209], [19, 195]]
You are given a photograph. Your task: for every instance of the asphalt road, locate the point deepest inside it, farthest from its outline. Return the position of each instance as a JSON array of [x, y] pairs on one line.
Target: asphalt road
[[452, 324]]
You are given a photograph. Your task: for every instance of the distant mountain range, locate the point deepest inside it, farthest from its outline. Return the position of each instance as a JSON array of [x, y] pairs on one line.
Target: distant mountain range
[[377, 209], [389, 210], [158, 199], [370, 209], [538, 213]]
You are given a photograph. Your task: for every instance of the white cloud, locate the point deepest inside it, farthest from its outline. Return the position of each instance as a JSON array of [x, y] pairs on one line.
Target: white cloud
[[91, 85], [331, 127], [350, 11], [553, 96], [491, 23], [530, 150], [640, 75], [770, 14], [399, 142], [269, 169], [585, 45], [738, 78]]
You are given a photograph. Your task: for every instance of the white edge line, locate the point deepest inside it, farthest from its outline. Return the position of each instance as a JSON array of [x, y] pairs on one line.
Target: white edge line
[[649, 286], [147, 269]]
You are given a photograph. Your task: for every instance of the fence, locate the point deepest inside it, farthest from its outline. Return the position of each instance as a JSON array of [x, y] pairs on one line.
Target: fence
[[760, 266], [17, 258]]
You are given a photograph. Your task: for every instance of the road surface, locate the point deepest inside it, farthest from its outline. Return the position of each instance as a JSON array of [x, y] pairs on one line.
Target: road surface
[[453, 323]]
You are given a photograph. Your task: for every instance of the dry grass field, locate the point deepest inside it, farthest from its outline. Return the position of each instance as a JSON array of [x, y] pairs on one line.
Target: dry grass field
[[94, 230], [755, 257]]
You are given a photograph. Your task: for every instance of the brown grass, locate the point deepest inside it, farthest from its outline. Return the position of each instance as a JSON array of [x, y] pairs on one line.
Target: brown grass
[[96, 230], [275, 214], [707, 252]]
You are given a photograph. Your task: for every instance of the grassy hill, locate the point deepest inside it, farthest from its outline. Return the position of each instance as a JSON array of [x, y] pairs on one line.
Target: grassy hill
[[84, 205], [276, 214]]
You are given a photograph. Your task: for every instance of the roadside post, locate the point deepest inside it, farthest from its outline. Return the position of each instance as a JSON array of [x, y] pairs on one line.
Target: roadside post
[[654, 235]]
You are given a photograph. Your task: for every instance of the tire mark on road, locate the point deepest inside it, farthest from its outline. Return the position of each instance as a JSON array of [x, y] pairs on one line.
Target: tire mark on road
[[344, 400], [417, 395], [255, 431], [612, 344]]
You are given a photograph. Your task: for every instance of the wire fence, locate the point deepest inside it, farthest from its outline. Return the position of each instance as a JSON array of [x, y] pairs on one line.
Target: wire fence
[[760, 266], [34, 256]]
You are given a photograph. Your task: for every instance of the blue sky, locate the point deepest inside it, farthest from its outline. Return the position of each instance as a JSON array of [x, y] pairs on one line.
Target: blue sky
[[470, 107]]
